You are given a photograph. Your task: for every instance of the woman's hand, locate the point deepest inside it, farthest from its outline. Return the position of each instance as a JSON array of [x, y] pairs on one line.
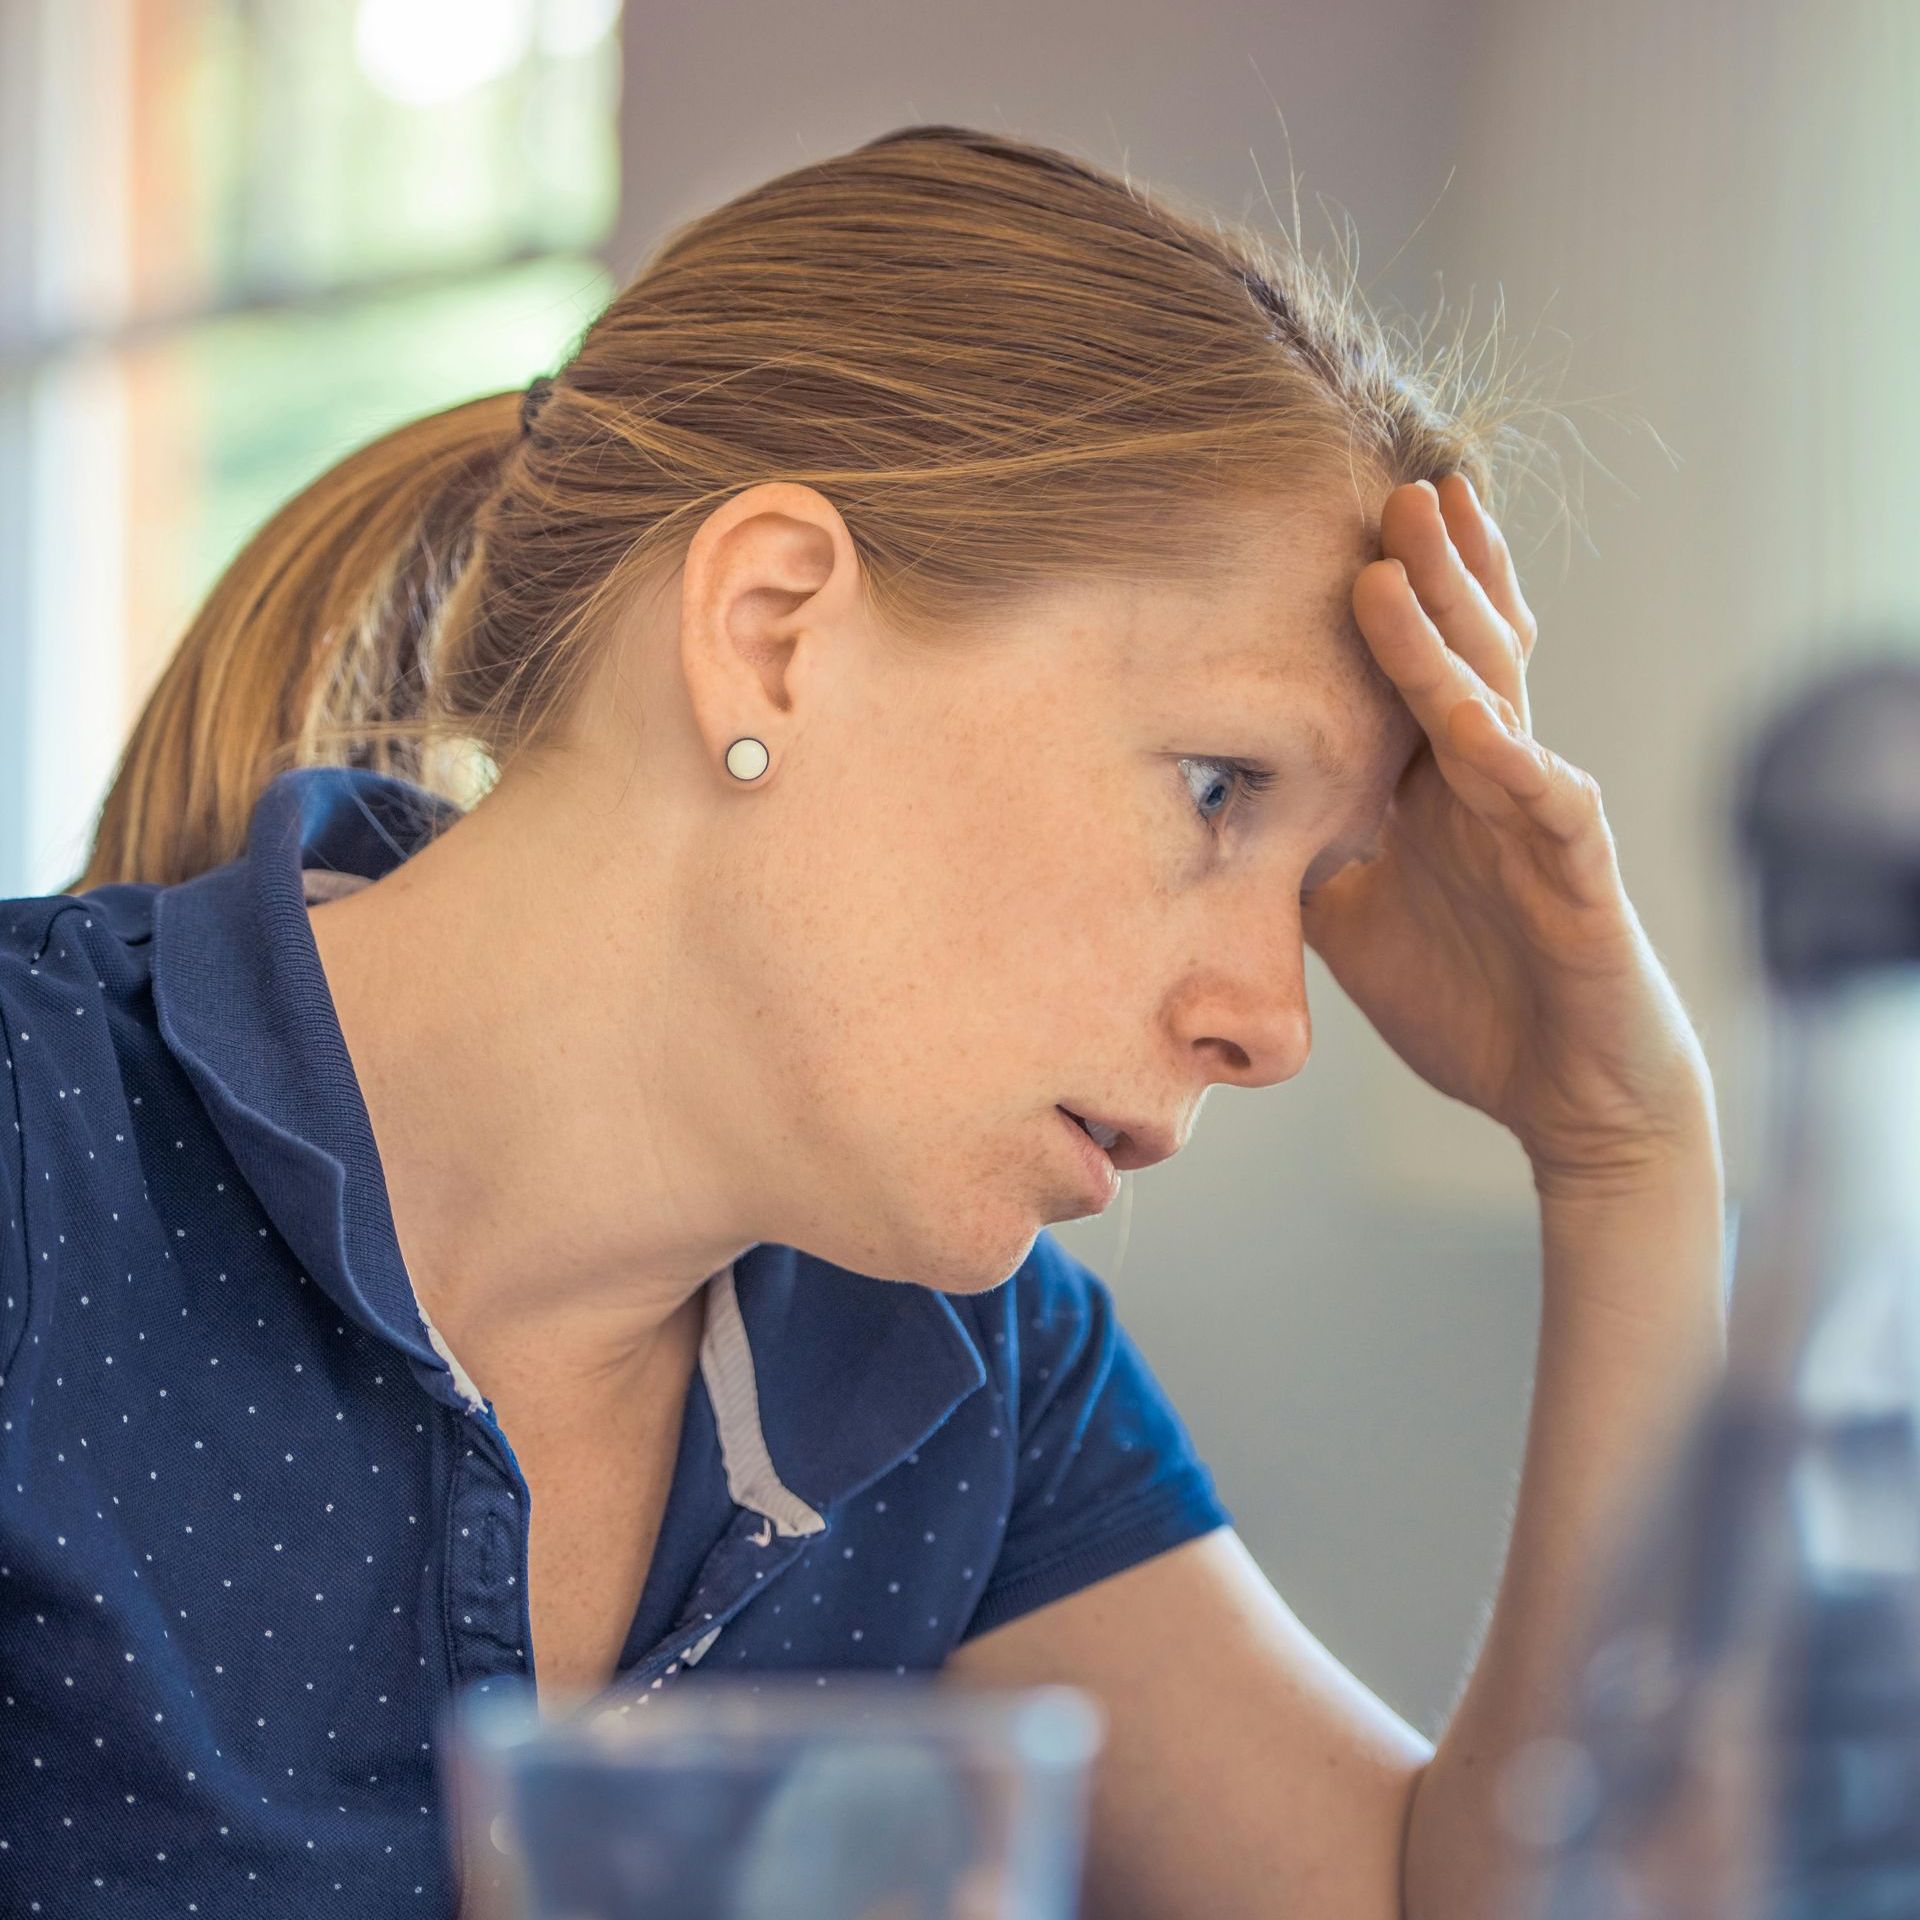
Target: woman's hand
[[1492, 943]]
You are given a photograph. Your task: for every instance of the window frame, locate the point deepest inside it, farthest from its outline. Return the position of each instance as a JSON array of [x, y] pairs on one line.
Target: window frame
[[59, 736]]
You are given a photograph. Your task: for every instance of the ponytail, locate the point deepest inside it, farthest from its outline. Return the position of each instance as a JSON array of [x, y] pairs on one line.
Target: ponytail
[[315, 644]]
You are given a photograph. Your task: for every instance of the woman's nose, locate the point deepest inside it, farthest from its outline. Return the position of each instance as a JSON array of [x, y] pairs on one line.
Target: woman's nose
[[1252, 1016]]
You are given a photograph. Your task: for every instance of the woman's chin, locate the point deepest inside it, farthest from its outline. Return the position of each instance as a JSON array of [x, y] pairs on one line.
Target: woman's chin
[[973, 1249], [966, 1230]]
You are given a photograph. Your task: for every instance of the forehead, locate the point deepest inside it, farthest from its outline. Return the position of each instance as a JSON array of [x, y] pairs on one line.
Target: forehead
[[1270, 636], [1348, 718]]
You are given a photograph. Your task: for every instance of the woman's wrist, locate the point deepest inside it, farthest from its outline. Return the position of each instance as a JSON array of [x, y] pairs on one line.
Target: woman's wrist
[[1676, 1149]]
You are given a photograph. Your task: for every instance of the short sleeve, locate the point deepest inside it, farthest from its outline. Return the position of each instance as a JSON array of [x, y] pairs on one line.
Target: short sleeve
[[1106, 1473]]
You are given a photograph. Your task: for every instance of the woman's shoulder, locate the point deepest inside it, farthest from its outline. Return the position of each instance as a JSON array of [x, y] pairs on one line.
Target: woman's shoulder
[[88, 1094], [58, 951], [73, 968], [73, 980], [34, 926]]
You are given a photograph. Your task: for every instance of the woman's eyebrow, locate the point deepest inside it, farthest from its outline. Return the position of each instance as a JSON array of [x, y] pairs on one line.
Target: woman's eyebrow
[[1338, 769], [1322, 754], [1270, 686]]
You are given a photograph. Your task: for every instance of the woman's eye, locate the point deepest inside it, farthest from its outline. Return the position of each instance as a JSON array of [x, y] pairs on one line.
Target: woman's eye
[[1217, 781]]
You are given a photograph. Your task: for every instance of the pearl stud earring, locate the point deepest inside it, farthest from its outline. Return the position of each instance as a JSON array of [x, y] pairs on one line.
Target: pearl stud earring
[[747, 759]]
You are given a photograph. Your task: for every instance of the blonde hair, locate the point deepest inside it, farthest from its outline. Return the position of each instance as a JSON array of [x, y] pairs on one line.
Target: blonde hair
[[1002, 364]]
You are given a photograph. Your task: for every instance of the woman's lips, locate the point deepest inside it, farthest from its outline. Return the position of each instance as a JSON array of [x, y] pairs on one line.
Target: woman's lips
[[1103, 1177], [1102, 1132]]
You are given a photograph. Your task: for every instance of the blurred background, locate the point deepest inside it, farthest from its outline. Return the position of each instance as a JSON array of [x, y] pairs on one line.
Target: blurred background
[[240, 237]]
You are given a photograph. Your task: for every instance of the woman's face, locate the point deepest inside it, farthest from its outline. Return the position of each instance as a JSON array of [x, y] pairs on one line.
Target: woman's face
[[982, 882]]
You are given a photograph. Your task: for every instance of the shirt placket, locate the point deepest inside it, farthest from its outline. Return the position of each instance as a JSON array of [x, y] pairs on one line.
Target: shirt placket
[[485, 1588], [748, 1559]]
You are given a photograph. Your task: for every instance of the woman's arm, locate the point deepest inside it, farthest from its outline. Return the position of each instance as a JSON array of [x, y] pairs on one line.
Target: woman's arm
[[1246, 1771], [1493, 946], [1632, 1329]]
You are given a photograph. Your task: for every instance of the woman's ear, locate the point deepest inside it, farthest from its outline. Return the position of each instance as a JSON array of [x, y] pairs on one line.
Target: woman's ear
[[769, 583]]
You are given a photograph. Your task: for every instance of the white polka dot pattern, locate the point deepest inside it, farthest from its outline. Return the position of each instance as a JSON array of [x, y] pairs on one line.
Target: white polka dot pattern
[[257, 1529]]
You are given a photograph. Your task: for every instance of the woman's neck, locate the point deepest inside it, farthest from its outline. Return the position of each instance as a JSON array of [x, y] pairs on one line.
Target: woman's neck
[[556, 1204]]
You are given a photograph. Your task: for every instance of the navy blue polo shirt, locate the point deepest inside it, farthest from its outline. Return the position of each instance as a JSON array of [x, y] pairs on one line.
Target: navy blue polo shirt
[[256, 1527]]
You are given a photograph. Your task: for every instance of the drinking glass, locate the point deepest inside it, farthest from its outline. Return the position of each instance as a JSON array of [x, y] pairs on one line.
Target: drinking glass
[[779, 1798]]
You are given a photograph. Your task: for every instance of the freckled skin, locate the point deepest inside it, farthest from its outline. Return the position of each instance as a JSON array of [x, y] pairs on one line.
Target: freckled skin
[[985, 887], [633, 1016]]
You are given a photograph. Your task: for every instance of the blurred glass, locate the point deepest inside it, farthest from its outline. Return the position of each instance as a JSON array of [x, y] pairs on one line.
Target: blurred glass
[[778, 1799], [1744, 1742]]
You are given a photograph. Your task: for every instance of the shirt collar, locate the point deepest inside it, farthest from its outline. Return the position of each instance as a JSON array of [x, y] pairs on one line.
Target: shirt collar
[[820, 1378]]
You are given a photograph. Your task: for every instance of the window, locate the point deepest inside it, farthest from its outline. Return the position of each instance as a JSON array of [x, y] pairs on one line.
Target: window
[[291, 224]]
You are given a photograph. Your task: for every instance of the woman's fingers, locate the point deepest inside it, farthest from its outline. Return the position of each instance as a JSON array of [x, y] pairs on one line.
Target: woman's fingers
[[1430, 675], [1560, 798], [1549, 795], [1414, 531], [1431, 678], [1480, 543], [1437, 616]]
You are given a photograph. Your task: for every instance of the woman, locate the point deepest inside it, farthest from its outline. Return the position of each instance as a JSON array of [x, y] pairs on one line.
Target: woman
[[946, 641]]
